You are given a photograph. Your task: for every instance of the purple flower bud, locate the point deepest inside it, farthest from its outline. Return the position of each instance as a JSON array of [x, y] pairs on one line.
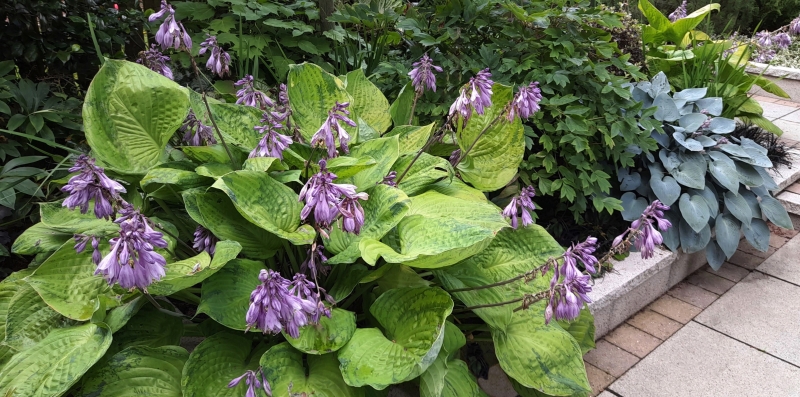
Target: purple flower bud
[[249, 96], [794, 26], [254, 380], [526, 102], [171, 33], [764, 39], [582, 252], [328, 200], [679, 12], [314, 264], [196, 133], [218, 60], [476, 95], [91, 184], [272, 144], [422, 74], [155, 61], [782, 40], [389, 179], [521, 205], [325, 135], [651, 237], [567, 298], [80, 242], [204, 240]]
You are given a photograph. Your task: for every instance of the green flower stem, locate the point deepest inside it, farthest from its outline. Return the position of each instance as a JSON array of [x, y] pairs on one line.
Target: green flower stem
[[492, 124], [428, 144], [529, 275], [527, 300]]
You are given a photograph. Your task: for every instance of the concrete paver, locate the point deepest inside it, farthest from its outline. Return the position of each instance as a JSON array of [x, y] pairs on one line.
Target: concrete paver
[[655, 324], [610, 359], [790, 130], [674, 308], [774, 111], [693, 294], [730, 272], [761, 311], [598, 379], [784, 264], [749, 249], [710, 282], [633, 340], [745, 260], [701, 362]]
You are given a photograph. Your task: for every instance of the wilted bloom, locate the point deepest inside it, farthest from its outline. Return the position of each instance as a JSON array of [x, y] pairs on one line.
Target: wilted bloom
[[648, 237], [328, 200], [679, 12], [782, 40], [422, 74], [132, 262], [248, 95], [171, 33], [764, 39], [196, 133], [272, 144], [204, 240], [794, 26], [154, 60], [325, 134], [389, 179], [521, 205], [314, 264], [80, 245], [526, 102], [218, 59], [254, 380], [582, 252], [476, 95], [91, 184], [274, 308]]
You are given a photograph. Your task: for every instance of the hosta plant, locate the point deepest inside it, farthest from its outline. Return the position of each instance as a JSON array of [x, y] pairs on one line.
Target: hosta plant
[[718, 185], [307, 235]]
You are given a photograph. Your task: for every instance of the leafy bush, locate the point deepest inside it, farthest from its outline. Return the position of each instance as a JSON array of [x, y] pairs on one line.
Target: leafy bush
[[717, 184]]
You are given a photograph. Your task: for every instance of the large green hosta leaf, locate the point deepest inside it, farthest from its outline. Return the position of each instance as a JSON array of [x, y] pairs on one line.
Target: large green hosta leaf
[[217, 360], [225, 296], [64, 220], [368, 101], [138, 371], [661, 29], [449, 376], [129, 114], [236, 123], [179, 180], [412, 137], [383, 210], [188, 272], [39, 238], [312, 93], [53, 365], [494, 159], [284, 369], [413, 323], [423, 172], [385, 152], [149, 327], [215, 211], [268, 204], [29, 319], [437, 231], [327, 336]]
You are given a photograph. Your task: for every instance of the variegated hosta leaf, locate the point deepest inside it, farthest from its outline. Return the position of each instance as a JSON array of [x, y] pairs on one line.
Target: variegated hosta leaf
[[312, 93], [285, 371]]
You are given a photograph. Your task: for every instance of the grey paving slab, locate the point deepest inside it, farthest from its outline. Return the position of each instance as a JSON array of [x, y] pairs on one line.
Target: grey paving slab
[[790, 130], [761, 311], [790, 201], [606, 394], [700, 362], [774, 111], [784, 264]]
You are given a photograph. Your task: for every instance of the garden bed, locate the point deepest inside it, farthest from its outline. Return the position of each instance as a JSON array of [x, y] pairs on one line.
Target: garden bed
[[786, 78]]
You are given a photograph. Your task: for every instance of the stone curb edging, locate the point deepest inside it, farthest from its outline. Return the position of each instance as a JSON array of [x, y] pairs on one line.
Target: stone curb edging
[[787, 79]]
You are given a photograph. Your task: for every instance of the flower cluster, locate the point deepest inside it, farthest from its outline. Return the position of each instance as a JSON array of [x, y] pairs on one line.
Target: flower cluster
[[647, 236], [171, 33], [422, 75], [328, 200], [272, 144], [679, 12], [254, 380], [248, 95], [325, 135], [204, 240], [477, 94], [526, 102], [521, 205], [567, 298], [196, 133], [91, 184], [218, 60], [154, 60], [280, 305]]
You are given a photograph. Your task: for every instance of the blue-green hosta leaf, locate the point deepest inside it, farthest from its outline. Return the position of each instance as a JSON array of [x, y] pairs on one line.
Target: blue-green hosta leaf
[[57, 362], [437, 231], [751, 144], [705, 141], [425, 171], [129, 114], [728, 231], [691, 94], [692, 170], [688, 143], [225, 296], [368, 101], [29, 319], [188, 272], [39, 238], [136, 371], [632, 206], [413, 320], [672, 237], [629, 180], [268, 204], [733, 150], [494, 159], [326, 337], [748, 174], [756, 158], [412, 138], [738, 207], [725, 173], [757, 234], [385, 152], [694, 210], [709, 194], [285, 370], [667, 111], [659, 85], [215, 362], [711, 105], [664, 187], [714, 255], [774, 211], [669, 159], [382, 212], [692, 121], [312, 93], [692, 241], [402, 106], [721, 125]]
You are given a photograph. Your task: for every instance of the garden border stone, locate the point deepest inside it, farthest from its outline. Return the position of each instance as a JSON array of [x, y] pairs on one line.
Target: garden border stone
[[786, 78]]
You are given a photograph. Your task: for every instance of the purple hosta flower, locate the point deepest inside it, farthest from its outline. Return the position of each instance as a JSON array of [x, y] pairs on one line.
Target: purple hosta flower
[[328, 200], [218, 59], [765, 56], [248, 95], [526, 102], [723, 141], [279, 305], [521, 205], [91, 184], [582, 252], [272, 144], [794, 26], [476, 95], [782, 40], [455, 157], [80, 245], [196, 133], [567, 298], [132, 262], [764, 39], [389, 179], [650, 236], [171, 33], [422, 74], [254, 380], [679, 12], [313, 304], [204, 240], [154, 60], [315, 262], [325, 134]]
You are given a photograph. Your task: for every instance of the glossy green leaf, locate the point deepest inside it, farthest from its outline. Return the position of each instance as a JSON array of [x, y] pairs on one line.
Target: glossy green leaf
[[312, 93], [426, 170], [39, 238], [327, 336], [215, 362], [412, 137], [149, 327], [401, 108], [64, 220], [347, 281], [368, 101], [225, 296], [284, 369], [117, 317], [138, 371], [129, 114], [497, 153], [385, 152], [179, 179], [29, 319], [188, 272]]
